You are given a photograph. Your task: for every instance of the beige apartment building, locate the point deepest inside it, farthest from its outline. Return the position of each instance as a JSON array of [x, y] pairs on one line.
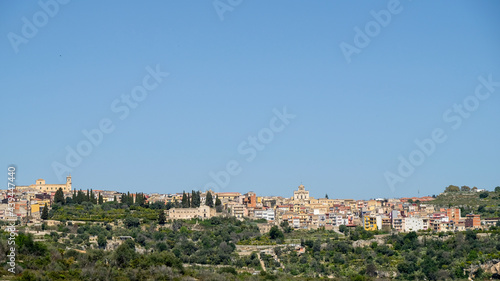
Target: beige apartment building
[[202, 212], [41, 186]]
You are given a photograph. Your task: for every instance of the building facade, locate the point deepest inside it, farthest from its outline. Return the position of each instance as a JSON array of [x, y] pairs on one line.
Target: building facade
[[473, 221], [202, 212], [264, 214], [41, 186], [301, 194]]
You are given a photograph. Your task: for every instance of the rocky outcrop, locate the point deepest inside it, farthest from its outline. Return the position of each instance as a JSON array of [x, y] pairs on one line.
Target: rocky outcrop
[[365, 243], [494, 270], [491, 266]]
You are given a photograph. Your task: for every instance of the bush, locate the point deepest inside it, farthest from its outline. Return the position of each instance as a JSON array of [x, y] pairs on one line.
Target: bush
[[131, 222], [276, 233], [231, 270]]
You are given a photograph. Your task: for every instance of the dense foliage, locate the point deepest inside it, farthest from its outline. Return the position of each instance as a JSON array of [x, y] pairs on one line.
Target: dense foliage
[[206, 250]]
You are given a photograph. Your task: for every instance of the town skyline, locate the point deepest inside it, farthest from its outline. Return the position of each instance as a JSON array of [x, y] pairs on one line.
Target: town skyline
[[68, 188]]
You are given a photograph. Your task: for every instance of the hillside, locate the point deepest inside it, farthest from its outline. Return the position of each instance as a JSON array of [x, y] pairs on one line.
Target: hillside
[[488, 206]]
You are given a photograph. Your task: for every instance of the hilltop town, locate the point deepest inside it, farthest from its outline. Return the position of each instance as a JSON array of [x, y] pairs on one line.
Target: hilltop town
[[300, 211], [55, 232]]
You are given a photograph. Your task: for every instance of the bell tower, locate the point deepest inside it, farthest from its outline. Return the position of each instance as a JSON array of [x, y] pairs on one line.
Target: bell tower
[[68, 183]]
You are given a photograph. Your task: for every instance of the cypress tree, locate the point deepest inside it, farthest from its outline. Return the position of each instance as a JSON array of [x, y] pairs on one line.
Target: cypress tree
[[184, 202], [130, 199], [45, 212], [80, 197], [59, 197], [161, 218], [195, 199], [209, 200], [218, 204], [140, 199]]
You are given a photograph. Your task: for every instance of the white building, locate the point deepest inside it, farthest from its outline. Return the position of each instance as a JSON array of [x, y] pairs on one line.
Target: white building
[[301, 195], [264, 214], [338, 220], [414, 224]]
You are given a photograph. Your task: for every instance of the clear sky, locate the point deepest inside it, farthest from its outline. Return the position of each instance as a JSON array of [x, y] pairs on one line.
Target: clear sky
[[357, 86]]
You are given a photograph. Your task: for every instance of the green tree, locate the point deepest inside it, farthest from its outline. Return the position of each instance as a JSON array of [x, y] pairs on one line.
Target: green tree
[[371, 270], [209, 200], [59, 197], [132, 222], [483, 195], [218, 204], [137, 198], [326, 196], [465, 188], [497, 189], [101, 200], [80, 197], [286, 227], [452, 188], [161, 217], [406, 267], [184, 202], [344, 229], [195, 199], [125, 253], [140, 199], [102, 241], [124, 199], [45, 212], [276, 233], [130, 199], [93, 199]]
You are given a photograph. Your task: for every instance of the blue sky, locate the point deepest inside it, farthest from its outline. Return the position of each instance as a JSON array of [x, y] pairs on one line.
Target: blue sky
[[228, 75]]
